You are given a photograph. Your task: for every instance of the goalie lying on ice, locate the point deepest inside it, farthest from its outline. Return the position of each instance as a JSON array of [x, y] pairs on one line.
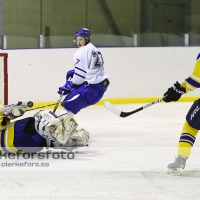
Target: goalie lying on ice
[[44, 129]]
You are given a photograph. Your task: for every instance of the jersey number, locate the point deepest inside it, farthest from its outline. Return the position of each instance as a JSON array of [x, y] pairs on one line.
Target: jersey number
[[98, 59]]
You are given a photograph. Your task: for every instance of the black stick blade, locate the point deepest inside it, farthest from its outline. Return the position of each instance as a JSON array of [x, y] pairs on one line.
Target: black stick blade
[[126, 114]]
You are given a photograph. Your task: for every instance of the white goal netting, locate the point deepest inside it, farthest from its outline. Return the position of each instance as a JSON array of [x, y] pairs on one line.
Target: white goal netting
[[3, 79]]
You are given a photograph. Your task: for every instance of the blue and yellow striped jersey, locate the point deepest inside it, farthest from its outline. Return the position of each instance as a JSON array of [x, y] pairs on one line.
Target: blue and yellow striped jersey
[[13, 137], [193, 81]]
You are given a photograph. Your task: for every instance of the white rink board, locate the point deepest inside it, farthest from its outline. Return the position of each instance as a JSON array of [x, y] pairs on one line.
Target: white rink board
[[127, 160], [134, 72]]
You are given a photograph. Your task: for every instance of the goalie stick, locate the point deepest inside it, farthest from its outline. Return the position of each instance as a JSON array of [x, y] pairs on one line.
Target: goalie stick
[[116, 111], [73, 98], [30, 104]]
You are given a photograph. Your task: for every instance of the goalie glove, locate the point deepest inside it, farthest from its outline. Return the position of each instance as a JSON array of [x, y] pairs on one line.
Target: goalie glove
[[174, 93], [53, 127], [15, 110]]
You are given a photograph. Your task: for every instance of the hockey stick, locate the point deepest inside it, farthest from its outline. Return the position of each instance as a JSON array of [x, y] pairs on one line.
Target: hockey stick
[[116, 111], [73, 98], [56, 106], [30, 104]]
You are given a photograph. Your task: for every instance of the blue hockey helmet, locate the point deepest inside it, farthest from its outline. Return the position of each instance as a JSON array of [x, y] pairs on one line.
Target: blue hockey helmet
[[83, 32]]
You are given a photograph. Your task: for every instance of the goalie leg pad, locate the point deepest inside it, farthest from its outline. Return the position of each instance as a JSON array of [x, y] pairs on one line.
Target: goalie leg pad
[[56, 128], [70, 145], [82, 137], [79, 138], [193, 115]]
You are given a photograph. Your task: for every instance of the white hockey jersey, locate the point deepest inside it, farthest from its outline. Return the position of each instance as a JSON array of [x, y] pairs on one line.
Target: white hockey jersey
[[88, 65]]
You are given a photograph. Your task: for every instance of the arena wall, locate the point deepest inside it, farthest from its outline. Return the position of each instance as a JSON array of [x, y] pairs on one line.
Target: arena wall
[[136, 74]]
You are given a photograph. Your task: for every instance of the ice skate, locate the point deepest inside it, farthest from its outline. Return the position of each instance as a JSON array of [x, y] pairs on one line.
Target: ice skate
[[177, 166]]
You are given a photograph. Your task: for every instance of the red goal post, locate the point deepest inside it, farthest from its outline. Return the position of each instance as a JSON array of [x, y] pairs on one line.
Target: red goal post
[[3, 78]]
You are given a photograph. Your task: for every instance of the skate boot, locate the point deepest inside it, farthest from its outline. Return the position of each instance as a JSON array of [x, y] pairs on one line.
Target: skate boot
[[177, 166]]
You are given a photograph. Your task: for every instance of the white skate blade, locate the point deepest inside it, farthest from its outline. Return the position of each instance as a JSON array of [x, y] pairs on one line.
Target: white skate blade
[[175, 172]]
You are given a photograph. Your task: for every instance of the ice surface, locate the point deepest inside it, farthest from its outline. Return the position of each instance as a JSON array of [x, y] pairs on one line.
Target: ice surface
[[127, 159]]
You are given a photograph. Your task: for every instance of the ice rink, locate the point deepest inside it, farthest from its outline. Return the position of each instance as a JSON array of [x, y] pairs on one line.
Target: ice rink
[[127, 159]]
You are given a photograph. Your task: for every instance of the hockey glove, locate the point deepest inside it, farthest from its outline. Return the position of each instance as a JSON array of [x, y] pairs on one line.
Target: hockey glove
[[65, 89], [174, 93], [15, 110], [70, 74]]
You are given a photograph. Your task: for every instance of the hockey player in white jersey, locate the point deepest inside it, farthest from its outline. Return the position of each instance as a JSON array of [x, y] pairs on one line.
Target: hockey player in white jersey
[[88, 79]]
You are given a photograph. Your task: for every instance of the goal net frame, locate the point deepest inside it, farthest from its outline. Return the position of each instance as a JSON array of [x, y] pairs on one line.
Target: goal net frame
[[3, 78]]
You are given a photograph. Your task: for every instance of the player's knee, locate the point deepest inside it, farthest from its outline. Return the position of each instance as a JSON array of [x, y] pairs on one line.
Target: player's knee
[[193, 115], [75, 106]]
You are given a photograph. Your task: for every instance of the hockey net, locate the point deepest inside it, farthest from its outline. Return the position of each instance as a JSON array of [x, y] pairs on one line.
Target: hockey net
[[3, 78]]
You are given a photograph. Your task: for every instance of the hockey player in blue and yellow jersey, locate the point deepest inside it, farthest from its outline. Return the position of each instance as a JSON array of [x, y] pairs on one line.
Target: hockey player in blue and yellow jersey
[[44, 129], [192, 124]]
